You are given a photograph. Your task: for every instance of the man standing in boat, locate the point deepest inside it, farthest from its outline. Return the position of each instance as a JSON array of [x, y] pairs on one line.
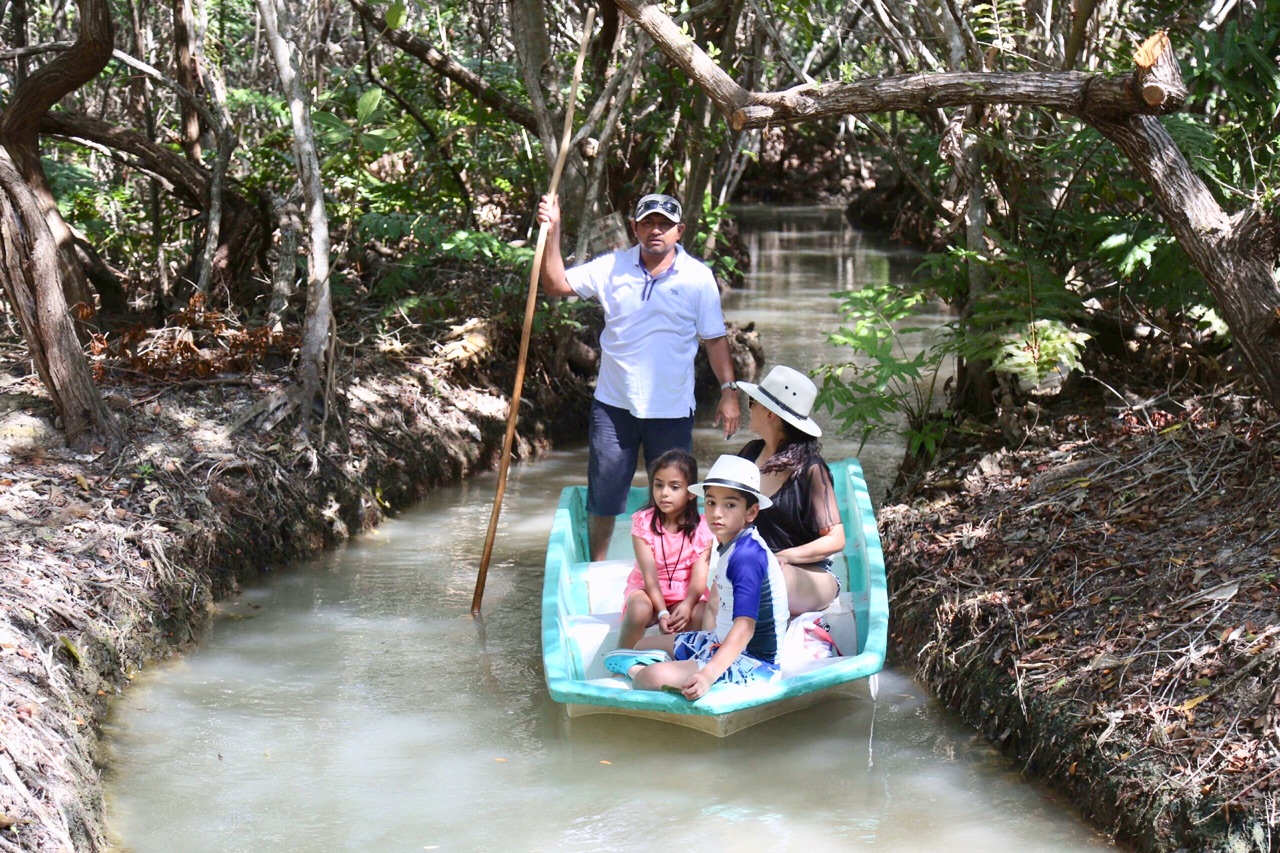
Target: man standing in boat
[[658, 301]]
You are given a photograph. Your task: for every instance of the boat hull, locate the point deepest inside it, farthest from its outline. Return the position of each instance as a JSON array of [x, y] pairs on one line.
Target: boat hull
[[580, 618]]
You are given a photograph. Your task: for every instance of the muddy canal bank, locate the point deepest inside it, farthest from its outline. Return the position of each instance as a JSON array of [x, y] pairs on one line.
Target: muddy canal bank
[[107, 563], [1100, 600]]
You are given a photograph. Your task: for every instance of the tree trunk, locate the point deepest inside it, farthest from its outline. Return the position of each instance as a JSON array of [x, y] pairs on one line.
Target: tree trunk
[[701, 159], [975, 384], [20, 41], [319, 317], [284, 274], [143, 107], [211, 80], [591, 211], [39, 264], [1079, 27], [1237, 255], [529, 32], [29, 272], [184, 30], [30, 101]]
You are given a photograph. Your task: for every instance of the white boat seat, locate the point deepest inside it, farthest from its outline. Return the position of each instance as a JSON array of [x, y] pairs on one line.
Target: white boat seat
[[606, 580]]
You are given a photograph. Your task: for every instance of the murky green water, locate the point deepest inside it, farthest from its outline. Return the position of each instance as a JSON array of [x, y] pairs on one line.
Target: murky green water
[[354, 704]]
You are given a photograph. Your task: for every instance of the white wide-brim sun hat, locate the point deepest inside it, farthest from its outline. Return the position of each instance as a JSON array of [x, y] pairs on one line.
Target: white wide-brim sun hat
[[789, 394], [733, 472]]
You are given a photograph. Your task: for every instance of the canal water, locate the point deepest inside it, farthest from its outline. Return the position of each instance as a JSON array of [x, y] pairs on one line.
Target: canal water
[[352, 703]]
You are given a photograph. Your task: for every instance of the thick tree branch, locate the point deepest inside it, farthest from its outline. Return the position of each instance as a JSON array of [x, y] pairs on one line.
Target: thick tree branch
[[1154, 88], [66, 73], [245, 228], [1086, 95], [727, 95], [188, 98], [34, 50], [1237, 256], [187, 180]]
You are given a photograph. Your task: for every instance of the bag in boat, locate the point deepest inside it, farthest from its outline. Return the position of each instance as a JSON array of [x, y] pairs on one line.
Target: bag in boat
[[808, 638]]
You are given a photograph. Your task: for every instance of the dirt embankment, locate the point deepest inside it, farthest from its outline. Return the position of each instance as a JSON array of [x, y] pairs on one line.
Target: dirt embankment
[[109, 562], [1101, 600]]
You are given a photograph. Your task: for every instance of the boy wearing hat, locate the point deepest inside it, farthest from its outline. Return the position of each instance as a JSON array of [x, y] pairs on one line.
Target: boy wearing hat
[[748, 600], [658, 302]]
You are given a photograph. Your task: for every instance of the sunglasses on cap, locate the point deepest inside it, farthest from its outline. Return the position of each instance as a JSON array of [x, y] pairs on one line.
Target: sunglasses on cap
[[665, 205]]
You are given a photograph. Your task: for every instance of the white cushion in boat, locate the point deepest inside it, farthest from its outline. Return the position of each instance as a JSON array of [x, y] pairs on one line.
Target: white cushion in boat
[[605, 581], [844, 632]]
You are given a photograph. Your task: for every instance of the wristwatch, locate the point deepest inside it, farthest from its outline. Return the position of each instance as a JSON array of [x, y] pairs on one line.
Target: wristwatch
[[729, 386]]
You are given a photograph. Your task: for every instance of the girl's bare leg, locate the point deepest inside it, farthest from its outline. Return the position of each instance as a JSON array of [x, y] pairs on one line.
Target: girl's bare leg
[[666, 642], [809, 589], [639, 615], [696, 616]]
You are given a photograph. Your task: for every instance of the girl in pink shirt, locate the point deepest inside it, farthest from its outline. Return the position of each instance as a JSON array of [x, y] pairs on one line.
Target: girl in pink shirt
[[668, 585]]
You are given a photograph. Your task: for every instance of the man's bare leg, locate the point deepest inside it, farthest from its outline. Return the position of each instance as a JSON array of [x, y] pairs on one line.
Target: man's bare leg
[[599, 532]]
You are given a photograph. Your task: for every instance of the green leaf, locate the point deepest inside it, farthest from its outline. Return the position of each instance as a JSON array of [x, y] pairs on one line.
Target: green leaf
[[396, 15], [368, 105], [329, 127], [378, 140], [71, 649]]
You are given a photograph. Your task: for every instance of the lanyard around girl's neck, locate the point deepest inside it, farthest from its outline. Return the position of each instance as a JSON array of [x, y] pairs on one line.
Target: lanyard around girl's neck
[[662, 543]]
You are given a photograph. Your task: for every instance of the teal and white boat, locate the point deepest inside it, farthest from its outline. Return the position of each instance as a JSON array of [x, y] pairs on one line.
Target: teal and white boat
[[581, 612]]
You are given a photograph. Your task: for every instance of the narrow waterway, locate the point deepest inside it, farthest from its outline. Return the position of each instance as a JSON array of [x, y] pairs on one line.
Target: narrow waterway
[[352, 703]]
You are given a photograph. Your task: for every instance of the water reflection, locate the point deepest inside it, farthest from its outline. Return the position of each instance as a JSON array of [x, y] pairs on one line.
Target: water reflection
[[799, 258], [353, 704]]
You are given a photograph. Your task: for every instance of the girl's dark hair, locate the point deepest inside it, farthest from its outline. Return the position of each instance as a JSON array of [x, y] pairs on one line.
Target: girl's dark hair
[[687, 523], [796, 448]]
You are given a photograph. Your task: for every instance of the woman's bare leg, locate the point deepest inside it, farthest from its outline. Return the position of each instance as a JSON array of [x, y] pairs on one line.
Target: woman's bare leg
[[809, 589]]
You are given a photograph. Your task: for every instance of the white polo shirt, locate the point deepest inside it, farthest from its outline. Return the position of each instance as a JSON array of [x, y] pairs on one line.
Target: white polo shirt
[[651, 329]]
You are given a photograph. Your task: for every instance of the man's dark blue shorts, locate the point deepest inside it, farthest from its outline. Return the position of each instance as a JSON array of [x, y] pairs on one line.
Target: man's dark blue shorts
[[616, 438]]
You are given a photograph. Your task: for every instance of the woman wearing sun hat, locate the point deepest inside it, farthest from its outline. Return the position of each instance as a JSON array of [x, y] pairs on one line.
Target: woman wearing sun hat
[[803, 525]]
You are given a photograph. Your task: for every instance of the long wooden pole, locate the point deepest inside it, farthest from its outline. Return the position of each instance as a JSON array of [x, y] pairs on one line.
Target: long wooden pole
[[534, 277]]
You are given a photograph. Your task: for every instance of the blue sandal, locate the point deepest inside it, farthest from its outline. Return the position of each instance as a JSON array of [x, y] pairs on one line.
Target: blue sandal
[[621, 660]]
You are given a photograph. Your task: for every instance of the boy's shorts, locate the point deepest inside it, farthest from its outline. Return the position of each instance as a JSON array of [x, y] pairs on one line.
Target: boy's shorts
[[615, 439], [700, 646]]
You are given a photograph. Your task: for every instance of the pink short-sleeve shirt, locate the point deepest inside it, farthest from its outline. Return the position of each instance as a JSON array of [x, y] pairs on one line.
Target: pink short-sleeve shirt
[[674, 554]]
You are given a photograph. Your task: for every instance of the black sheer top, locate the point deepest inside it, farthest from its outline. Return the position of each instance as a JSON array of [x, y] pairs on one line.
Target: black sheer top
[[802, 506]]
